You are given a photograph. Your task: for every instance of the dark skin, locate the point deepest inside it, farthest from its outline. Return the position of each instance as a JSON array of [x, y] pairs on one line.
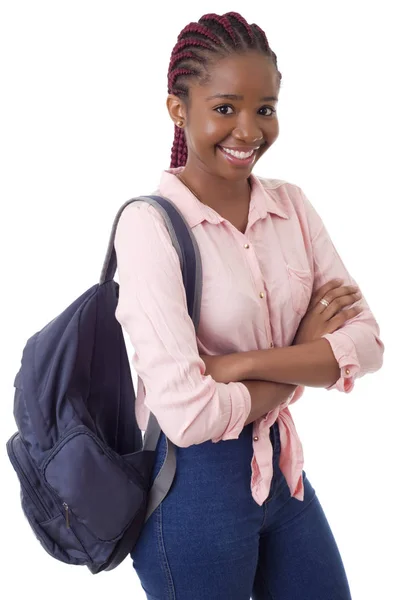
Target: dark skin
[[243, 123], [247, 120]]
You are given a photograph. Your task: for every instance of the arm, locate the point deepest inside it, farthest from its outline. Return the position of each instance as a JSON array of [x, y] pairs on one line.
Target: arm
[[350, 350], [356, 346], [267, 396], [312, 364], [190, 406]]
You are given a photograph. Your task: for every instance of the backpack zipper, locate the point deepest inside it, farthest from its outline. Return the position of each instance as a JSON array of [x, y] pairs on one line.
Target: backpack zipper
[[31, 490], [66, 509]]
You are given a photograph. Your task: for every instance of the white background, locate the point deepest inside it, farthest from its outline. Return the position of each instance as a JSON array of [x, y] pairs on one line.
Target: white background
[[84, 127]]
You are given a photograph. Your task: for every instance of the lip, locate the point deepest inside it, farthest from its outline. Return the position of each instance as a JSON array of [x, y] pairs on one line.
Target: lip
[[238, 162]]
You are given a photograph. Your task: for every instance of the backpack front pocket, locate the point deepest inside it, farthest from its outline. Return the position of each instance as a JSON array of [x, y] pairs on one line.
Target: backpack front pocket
[[95, 485], [25, 470]]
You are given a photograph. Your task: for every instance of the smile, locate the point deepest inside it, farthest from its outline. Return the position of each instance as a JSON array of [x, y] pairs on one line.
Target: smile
[[239, 158], [239, 154]]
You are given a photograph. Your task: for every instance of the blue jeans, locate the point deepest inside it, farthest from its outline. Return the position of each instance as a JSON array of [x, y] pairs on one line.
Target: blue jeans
[[209, 539]]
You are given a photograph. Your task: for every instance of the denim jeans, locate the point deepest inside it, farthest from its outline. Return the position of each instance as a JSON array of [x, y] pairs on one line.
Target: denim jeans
[[209, 539]]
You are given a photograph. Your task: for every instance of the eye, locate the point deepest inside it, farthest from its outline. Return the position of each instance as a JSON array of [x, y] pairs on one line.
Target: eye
[[264, 108], [223, 110]]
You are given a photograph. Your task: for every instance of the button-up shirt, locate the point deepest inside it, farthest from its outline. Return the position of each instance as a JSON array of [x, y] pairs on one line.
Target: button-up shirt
[[256, 288]]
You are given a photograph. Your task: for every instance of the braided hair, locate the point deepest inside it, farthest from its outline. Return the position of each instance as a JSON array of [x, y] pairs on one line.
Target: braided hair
[[213, 37]]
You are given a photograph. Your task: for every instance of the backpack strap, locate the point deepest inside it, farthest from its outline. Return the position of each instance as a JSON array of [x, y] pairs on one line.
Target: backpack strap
[[184, 243], [188, 252]]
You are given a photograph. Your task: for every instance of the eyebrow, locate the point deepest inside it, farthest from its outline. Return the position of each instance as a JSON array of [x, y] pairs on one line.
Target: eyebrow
[[236, 97]]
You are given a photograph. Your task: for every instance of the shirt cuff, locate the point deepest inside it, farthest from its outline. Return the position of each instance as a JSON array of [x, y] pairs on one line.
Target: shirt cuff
[[345, 353], [240, 401]]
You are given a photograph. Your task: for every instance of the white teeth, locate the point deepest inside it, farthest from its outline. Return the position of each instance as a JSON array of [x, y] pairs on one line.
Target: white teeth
[[238, 154]]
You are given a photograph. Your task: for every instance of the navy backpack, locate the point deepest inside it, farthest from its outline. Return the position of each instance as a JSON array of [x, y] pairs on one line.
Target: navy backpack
[[83, 466]]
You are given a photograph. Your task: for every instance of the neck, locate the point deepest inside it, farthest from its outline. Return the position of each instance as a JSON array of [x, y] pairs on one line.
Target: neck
[[215, 191]]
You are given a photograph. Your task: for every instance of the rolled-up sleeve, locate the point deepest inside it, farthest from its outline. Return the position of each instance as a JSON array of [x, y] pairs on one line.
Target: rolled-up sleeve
[[190, 407], [356, 346]]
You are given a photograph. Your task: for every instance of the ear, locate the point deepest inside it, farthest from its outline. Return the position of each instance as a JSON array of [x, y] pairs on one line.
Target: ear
[[177, 109]]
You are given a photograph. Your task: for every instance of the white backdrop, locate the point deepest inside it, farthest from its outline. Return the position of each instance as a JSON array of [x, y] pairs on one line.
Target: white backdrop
[[84, 127]]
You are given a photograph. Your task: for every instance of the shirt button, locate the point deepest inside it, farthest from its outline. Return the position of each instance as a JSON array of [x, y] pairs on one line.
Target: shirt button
[[261, 294], [347, 371], [255, 438], [247, 246]]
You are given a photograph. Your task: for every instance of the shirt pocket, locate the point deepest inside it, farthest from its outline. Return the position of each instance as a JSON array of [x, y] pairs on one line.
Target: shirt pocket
[[301, 284]]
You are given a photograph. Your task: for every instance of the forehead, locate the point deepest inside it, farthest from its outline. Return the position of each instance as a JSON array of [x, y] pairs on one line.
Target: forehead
[[241, 74]]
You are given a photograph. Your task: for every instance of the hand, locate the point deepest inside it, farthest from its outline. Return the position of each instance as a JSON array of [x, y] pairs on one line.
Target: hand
[[321, 319], [223, 368]]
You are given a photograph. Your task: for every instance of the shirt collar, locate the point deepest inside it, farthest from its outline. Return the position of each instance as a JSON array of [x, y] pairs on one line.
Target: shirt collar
[[262, 201]]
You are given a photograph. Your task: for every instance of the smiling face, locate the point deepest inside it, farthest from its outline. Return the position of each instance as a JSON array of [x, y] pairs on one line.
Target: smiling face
[[230, 120]]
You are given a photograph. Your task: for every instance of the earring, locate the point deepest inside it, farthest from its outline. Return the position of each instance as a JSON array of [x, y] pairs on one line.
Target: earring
[[179, 123]]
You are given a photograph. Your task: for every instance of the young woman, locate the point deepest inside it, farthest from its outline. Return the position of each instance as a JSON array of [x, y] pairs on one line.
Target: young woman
[[279, 311]]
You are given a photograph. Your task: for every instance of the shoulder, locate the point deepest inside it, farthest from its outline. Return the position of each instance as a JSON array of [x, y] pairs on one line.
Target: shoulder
[[280, 186], [140, 215], [287, 195], [140, 209], [140, 227]]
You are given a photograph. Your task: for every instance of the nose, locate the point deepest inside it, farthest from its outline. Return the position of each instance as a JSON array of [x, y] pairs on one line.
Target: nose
[[248, 131]]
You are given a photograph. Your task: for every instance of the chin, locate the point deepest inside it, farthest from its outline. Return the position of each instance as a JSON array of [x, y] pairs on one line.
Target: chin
[[240, 174]]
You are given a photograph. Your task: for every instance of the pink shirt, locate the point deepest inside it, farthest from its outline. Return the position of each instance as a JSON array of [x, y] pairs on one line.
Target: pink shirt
[[256, 288]]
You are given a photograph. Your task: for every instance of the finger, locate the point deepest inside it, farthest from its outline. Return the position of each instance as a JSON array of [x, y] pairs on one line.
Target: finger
[[321, 292], [329, 285], [341, 318], [333, 295], [347, 298]]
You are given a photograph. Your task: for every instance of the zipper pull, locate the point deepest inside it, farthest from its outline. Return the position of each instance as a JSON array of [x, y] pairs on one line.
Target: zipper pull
[[66, 508]]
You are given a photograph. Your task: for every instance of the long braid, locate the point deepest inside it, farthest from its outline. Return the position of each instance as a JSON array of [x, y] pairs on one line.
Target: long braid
[[179, 148], [213, 36]]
